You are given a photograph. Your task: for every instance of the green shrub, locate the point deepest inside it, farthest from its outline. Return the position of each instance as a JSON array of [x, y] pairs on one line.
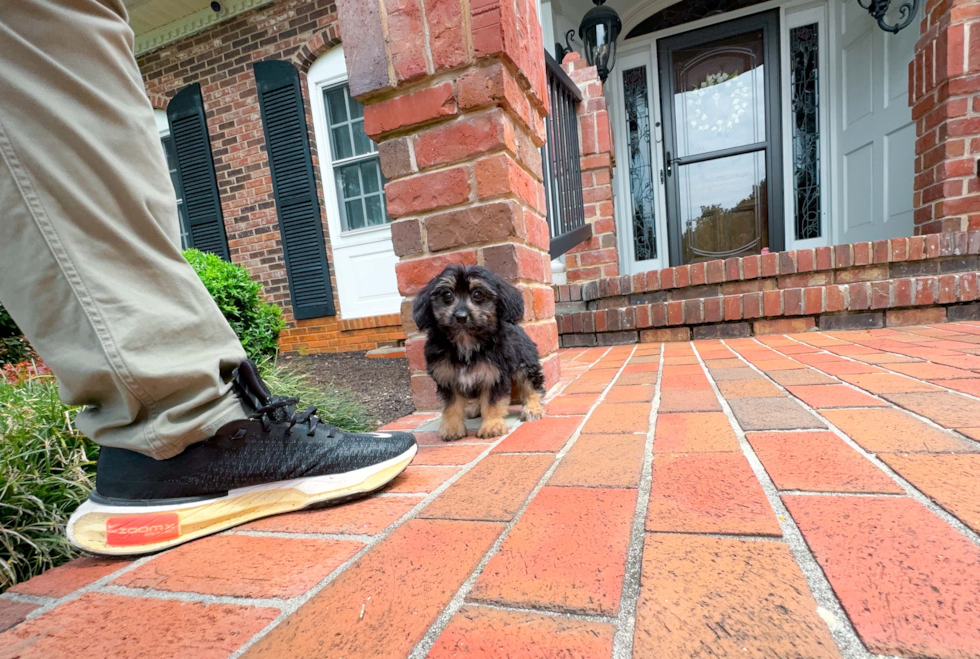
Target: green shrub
[[13, 348], [47, 468], [256, 322]]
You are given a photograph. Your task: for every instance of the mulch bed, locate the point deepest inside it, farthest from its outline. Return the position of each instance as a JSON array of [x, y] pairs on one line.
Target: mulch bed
[[383, 386]]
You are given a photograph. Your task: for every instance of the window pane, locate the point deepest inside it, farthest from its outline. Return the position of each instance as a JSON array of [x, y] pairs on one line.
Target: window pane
[[375, 214], [805, 121], [362, 143], [336, 107], [340, 142], [723, 207], [369, 175], [168, 151], [641, 169], [355, 215], [720, 97], [350, 181], [356, 109]]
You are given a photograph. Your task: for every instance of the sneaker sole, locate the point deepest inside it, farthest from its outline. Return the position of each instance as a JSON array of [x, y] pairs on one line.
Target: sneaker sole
[[110, 530]]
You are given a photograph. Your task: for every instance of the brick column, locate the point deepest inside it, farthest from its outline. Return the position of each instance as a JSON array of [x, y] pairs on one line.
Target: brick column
[[454, 94], [598, 256], [944, 91]]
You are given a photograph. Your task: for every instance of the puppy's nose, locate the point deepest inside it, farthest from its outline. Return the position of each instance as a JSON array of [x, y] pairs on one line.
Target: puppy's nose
[[461, 317]]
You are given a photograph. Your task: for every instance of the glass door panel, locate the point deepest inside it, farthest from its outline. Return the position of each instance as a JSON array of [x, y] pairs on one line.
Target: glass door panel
[[723, 207]]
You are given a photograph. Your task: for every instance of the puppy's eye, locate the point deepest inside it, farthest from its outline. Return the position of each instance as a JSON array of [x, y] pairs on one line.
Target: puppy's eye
[[478, 295], [447, 296]]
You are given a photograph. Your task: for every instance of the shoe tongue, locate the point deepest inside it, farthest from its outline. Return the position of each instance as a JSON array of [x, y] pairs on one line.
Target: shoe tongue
[[250, 385]]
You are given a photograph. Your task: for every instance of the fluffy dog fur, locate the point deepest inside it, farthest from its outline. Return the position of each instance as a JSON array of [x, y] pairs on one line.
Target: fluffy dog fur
[[475, 349]]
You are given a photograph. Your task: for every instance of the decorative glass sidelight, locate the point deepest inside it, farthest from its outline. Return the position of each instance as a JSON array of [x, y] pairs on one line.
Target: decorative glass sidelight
[[805, 127], [640, 166]]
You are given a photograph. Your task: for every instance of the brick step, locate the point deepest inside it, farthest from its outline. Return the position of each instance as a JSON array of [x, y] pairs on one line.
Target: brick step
[[387, 352], [903, 281]]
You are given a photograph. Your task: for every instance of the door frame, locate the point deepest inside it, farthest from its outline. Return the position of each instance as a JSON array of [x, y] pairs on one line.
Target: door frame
[[768, 21], [644, 49], [330, 70]]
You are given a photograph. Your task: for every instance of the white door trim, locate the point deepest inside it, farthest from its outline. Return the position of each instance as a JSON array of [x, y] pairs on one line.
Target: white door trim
[[790, 18], [360, 296]]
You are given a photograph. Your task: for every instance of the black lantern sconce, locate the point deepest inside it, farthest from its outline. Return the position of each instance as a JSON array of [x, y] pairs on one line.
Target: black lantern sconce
[[599, 30], [877, 8]]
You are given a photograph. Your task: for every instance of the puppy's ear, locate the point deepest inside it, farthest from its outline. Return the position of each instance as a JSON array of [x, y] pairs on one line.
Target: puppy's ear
[[510, 302], [422, 307]]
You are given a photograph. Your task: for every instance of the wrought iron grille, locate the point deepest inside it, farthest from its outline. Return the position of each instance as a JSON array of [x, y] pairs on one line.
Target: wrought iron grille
[[805, 125], [561, 164]]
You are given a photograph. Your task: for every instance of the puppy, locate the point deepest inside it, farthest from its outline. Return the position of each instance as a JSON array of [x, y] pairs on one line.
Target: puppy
[[475, 349]]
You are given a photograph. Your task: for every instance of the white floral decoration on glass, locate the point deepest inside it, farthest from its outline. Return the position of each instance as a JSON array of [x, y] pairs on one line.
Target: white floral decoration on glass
[[707, 97]]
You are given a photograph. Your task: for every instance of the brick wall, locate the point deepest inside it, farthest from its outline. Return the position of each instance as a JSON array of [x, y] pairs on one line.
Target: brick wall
[[454, 95], [220, 59], [902, 281], [598, 256], [944, 93]]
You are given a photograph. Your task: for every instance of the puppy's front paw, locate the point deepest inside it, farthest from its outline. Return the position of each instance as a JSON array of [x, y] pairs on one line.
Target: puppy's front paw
[[450, 431], [532, 412], [492, 428]]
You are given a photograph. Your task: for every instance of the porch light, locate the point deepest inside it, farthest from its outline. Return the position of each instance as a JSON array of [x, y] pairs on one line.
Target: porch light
[[877, 9], [599, 30]]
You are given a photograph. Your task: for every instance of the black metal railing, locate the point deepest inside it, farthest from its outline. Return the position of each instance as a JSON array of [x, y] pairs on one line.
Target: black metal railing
[[561, 164]]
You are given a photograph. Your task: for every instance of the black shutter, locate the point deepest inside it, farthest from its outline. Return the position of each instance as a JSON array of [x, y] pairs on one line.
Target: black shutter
[[195, 168], [294, 186]]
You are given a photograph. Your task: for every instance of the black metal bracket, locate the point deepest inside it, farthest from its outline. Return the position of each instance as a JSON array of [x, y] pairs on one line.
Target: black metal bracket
[[561, 51], [877, 8]]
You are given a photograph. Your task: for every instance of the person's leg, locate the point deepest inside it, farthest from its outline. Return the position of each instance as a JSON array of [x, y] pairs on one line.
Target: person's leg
[[90, 265], [192, 440]]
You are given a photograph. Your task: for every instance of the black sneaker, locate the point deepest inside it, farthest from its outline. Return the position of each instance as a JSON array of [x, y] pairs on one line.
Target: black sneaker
[[275, 461]]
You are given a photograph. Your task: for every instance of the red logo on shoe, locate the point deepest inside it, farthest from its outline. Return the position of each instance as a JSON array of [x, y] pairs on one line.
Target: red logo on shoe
[[141, 529]]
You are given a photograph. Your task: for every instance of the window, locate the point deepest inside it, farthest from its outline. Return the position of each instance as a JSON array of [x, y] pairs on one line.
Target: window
[[640, 168], [356, 166], [805, 127], [168, 150]]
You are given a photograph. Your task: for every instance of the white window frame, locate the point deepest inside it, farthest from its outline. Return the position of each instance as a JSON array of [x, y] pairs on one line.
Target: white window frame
[[329, 71], [163, 130]]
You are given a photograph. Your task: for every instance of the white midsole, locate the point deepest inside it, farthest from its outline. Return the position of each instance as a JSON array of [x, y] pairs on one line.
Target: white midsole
[[311, 485]]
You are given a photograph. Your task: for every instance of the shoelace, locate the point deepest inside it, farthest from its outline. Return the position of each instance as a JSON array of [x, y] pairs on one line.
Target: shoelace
[[307, 416]]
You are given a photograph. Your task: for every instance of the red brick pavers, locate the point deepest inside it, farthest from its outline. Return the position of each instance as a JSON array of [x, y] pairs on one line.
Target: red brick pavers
[[810, 495]]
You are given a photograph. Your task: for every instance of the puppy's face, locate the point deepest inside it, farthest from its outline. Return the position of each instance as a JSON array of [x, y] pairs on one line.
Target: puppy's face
[[463, 303], [467, 304]]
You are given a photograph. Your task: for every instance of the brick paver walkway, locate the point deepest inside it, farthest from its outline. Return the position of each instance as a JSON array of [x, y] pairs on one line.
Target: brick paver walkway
[[814, 495]]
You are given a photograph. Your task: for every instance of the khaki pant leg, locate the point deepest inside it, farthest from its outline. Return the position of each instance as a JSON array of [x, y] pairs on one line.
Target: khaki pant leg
[[90, 267]]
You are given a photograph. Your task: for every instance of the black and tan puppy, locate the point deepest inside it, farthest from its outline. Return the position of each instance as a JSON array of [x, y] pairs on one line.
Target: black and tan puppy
[[475, 349]]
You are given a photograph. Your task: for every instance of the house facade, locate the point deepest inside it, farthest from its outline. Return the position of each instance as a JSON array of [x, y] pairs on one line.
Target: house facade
[[348, 296], [785, 150]]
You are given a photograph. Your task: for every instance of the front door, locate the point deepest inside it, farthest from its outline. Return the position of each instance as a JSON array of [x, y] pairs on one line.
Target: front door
[[719, 90], [875, 131]]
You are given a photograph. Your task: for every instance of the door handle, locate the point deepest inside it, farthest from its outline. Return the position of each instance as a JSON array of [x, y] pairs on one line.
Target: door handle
[[670, 164]]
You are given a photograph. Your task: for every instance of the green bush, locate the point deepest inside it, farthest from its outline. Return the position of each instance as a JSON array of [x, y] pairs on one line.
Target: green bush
[[13, 348], [256, 322], [47, 468]]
